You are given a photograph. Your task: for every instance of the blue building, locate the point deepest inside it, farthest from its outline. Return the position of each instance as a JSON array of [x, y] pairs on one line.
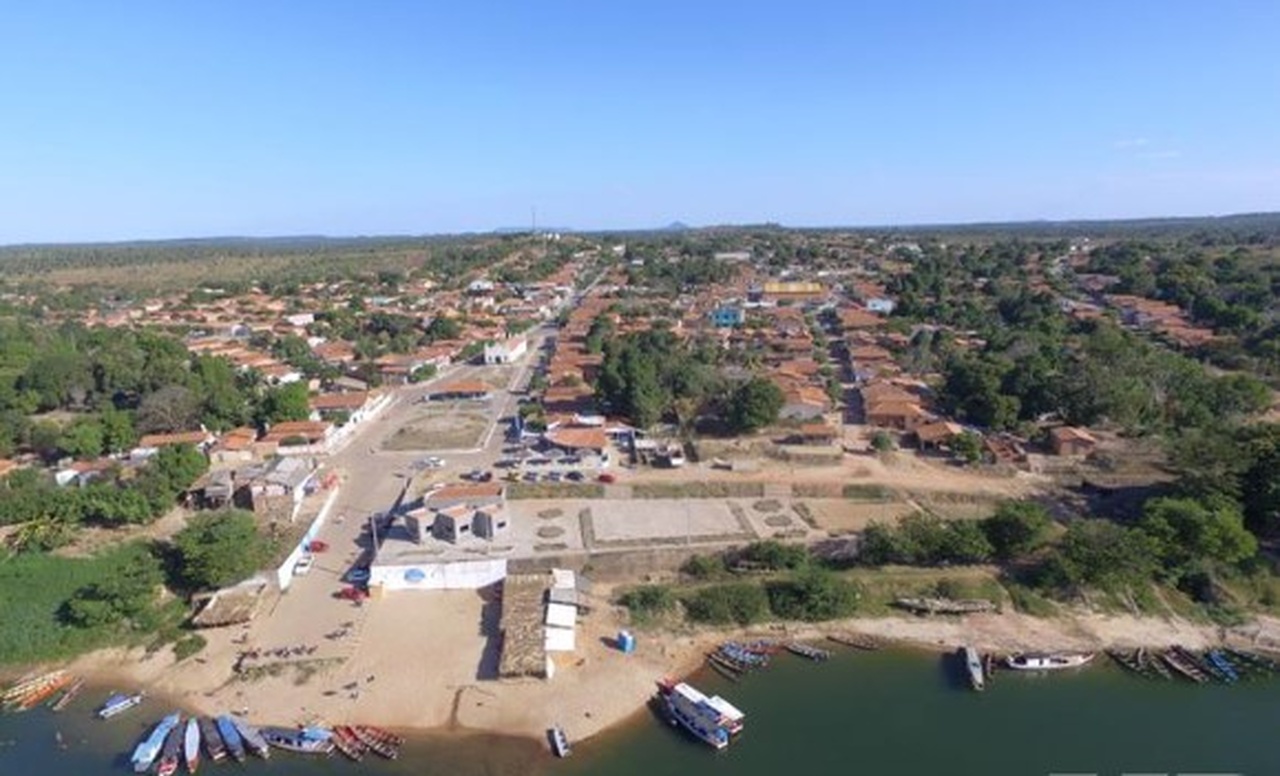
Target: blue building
[[728, 316]]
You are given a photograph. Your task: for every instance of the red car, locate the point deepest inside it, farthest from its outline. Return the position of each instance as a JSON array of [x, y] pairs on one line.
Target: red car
[[352, 593], [317, 546], [606, 477]]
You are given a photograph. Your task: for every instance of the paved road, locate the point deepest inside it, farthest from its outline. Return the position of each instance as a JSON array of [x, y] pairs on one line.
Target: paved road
[[372, 480]]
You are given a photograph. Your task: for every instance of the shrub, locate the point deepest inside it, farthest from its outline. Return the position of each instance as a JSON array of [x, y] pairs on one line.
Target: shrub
[[740, 602], [776, 556], [187, 646], [812, 596], [648, 600], [705, 566]]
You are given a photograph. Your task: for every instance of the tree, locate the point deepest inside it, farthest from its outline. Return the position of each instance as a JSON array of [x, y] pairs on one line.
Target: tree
[[882, 442], [172, 408], [1260, 481], [967, 446], [125, 596], [1017, 528], [1187, 531], [738, 602], [754, 404], [286, 403], [118, 434], [83, 438], [1103, 554], [220, 548], [812, 595]]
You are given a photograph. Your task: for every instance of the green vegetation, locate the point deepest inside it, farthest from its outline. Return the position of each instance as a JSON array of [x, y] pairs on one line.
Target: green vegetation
[[649, 602], [220, 548], [740, 603], [56, 607]]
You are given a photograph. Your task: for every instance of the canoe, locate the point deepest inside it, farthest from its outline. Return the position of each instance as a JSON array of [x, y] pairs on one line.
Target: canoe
[[230, 737], [145, 754], [213, 745], [253, 739], [172, 750], [191, 745]]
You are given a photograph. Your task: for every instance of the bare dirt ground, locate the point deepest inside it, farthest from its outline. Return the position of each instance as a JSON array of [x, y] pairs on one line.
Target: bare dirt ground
[[442, 427], [842, 516]]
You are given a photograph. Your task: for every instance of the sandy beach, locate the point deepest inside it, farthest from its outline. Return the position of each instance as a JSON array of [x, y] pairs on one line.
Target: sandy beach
[[420, 661]]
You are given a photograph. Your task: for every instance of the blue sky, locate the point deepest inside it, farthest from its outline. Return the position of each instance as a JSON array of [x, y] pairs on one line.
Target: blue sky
[[124, 120]]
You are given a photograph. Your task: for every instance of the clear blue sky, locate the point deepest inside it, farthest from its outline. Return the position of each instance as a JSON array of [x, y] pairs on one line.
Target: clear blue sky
[[124, 119]]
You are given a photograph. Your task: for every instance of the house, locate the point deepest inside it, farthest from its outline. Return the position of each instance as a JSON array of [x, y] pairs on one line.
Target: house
[[896, 414], [505, 351], [482, 495], [937, 434], [234, 446], [472, 390], [150, 444], [803, 402], [456, 523], [1069, 440], [311, 436], [278, 485], [352, 408], [728, 316], [581, 441], [814, 434]]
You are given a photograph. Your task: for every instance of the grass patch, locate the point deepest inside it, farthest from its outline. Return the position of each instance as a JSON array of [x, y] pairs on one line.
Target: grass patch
[[187, 646], [554, 490], [1030, 602], [698, 490], [34, 591]]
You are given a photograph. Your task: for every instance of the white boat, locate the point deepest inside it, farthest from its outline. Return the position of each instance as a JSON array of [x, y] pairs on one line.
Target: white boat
[[191, 745], [119, 703], [712, 719], [973, 665], [559, 742], [149, 748], [1048, 661]]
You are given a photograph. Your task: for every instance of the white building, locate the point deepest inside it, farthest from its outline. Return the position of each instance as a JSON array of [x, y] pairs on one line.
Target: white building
[[505, 351]]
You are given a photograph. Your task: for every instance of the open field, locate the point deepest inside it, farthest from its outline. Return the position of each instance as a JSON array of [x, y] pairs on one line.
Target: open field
[[442, 427]]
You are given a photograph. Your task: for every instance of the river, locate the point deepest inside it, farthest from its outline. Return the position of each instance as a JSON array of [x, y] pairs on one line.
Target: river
[[884, 713]]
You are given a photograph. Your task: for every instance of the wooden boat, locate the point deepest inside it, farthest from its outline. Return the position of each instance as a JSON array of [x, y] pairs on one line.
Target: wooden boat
[[119, 703], [231, 737], [559, 742], [1223, 666], [306, 741], [212, 739], [252, 738], [1183, 668], [857, 641], [347, 745], [945, 605], [354, 740], [1048, 661], [973, 667], [191, 745], [378, 741], [723, 668], [145, 754], [804, 650], [28, 694], [68, 695], [171, 752]]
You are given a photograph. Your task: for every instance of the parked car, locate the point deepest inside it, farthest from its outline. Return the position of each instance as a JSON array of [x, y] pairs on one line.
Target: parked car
[[554, 476], [432, 462], [574, 477], [607, 477], [352, 593], [530, 477], [358, 575], [315, 545], [304, 564]]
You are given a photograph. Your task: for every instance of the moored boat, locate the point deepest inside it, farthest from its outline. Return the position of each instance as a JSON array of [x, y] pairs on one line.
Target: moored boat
[[348, 745], [252, 738], [379, 741], [1048, 661], [68, 695], [559, 741], [973, 667], [713, 720], [805, 650], [213, 745], [191, 745], [304, 741], [230, 737], [171, 752], [119, 703], [147, 750]]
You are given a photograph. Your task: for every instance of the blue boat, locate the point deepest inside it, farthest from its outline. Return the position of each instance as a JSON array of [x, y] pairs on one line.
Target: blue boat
[[1224, 667], [231, 737], [118, 703], [149, 748]]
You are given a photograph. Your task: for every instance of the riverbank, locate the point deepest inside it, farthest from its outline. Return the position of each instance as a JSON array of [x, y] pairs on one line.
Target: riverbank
[[425, 674]]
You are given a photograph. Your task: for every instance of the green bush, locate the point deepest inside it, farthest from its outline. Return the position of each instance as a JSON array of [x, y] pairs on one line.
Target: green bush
[[812, 596], [775, 555], [649, 600], [740, 602], [187, 646], [705, 566]]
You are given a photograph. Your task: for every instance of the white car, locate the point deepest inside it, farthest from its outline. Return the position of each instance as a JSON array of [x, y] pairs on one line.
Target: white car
[[304, 564], [433, 462]]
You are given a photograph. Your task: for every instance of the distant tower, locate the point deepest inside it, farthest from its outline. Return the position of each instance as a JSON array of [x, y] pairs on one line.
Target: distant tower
[[534, 220]]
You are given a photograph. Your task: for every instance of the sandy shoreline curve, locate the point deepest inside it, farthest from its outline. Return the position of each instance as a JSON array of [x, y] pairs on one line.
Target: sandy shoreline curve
[[597, 688]]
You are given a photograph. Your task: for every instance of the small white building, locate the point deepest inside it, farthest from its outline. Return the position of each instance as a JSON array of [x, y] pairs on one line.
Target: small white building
[[505, 351]]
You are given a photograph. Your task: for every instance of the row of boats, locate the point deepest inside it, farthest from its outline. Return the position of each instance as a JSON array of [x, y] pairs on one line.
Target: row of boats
[[1223, 666], [732, 659], [172, 742], [979, 668], [57, 687]]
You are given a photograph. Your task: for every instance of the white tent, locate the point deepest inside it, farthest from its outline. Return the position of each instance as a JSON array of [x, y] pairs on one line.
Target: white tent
[[562, 616], [560, 640], [563, 578]]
